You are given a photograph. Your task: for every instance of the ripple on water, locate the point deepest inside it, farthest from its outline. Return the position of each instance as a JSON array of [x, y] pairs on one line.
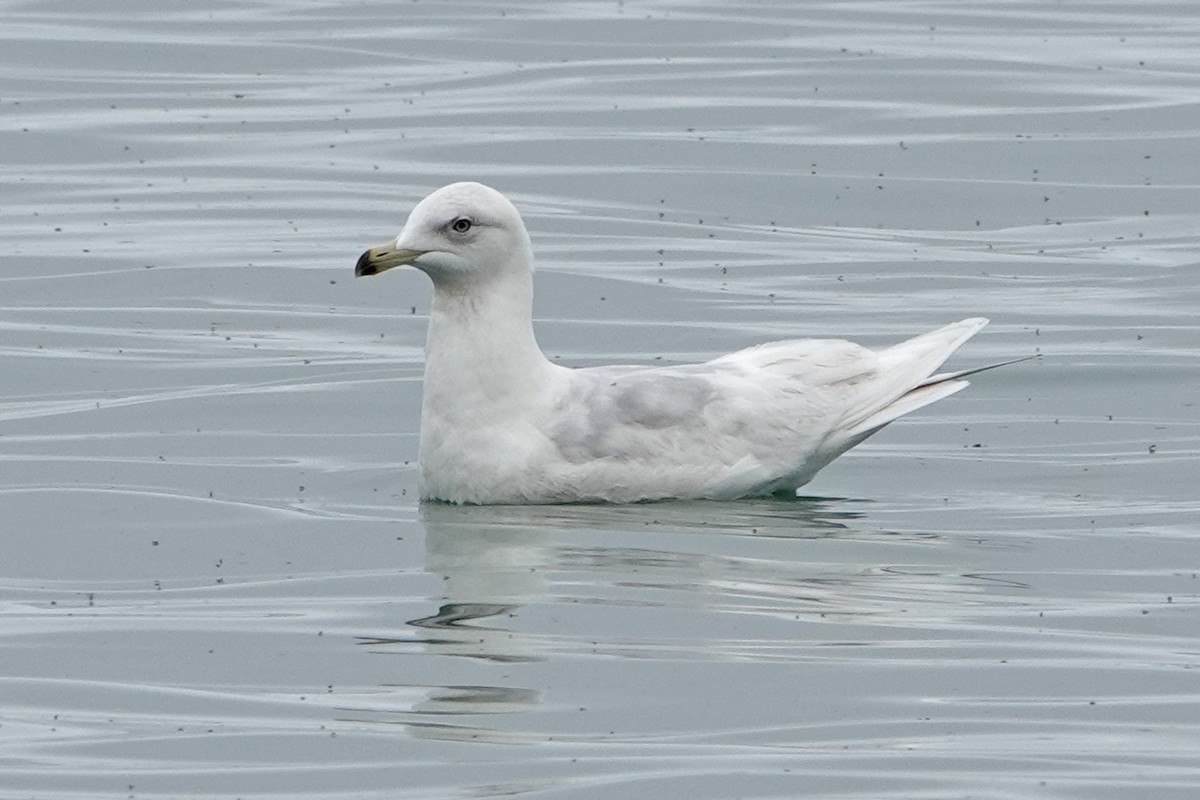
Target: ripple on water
[[216, 581]]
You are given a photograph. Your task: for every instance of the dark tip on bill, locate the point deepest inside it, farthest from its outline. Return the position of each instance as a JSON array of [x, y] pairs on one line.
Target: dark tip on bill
[[364, 266]]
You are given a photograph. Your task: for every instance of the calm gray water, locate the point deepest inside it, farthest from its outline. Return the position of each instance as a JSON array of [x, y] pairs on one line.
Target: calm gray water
[[215, 580]]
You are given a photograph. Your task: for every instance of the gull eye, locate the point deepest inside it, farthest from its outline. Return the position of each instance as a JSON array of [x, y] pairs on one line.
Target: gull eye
[[461, 225]]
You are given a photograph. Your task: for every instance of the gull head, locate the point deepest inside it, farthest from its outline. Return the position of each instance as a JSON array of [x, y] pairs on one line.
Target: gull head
[[461, 235]]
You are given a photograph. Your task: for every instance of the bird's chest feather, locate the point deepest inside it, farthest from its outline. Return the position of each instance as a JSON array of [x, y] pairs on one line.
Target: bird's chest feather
[[477, 443]]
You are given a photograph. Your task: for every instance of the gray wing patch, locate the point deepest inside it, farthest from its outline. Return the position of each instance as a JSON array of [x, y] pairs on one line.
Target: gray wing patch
[[617, 412], [660, 401]]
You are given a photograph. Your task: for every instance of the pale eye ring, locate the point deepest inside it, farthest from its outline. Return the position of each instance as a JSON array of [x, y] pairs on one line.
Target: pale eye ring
[[460, 225]]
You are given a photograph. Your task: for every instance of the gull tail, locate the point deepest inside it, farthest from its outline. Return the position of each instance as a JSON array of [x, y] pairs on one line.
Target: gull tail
[[908, 382]]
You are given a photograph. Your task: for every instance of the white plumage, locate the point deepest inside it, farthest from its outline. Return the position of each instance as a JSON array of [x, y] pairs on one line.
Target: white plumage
[[500, 423]]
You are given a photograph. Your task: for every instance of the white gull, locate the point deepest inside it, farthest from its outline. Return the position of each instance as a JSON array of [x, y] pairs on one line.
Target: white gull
[[500, 423]]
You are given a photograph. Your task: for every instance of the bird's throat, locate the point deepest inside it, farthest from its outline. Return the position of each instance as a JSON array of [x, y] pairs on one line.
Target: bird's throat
[[481, 351]]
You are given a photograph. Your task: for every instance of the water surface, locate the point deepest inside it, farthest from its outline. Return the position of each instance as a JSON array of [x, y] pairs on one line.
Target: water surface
[[216, 580]]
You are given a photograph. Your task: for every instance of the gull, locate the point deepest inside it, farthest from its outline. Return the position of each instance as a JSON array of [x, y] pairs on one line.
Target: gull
[[501, 423]]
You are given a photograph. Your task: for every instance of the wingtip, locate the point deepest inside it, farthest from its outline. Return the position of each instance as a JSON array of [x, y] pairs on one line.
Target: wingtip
[[942, 377]]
